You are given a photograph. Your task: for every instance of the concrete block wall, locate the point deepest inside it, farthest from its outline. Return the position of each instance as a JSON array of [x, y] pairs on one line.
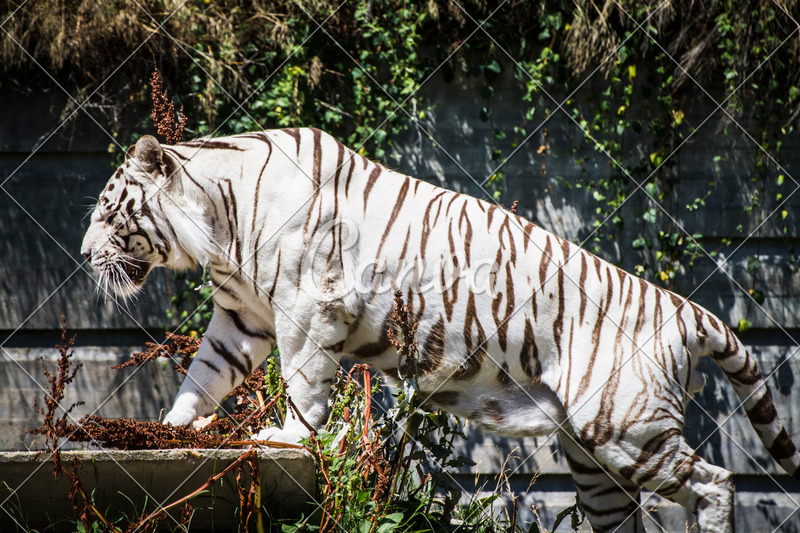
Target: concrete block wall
[[42, 219]]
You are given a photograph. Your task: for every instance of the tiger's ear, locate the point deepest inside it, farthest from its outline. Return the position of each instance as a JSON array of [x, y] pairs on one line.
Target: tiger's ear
[[171, 170], [148, 152]]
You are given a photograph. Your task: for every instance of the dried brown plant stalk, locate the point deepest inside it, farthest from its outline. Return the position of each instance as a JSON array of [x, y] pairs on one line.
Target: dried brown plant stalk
[[174, 346], [405, 342], [249, 493], [127, 434], [169, 124], [54, 427], [251, 413], [250, 457]]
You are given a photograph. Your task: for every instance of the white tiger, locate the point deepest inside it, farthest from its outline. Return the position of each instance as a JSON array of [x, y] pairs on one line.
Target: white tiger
[[555, 340]]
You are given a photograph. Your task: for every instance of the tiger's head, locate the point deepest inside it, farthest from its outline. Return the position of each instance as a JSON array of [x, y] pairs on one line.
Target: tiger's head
[[144, 219]]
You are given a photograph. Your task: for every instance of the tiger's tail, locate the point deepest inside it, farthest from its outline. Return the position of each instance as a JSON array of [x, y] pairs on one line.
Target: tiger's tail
[[741, 370]]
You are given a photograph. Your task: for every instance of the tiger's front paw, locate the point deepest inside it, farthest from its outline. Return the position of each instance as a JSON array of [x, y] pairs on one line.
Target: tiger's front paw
[[185, 410], [275, 434], [180, 417]]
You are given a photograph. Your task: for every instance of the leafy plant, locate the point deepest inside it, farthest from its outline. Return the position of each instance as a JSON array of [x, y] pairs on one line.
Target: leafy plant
[[378, 469]]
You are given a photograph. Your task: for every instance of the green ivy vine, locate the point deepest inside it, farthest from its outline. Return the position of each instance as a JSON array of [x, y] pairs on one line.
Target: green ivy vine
[[355, 69]]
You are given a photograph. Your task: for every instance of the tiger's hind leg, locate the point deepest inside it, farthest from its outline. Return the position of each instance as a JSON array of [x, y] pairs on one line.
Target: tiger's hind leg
[[685, 478], [667, 465], [610, 501]]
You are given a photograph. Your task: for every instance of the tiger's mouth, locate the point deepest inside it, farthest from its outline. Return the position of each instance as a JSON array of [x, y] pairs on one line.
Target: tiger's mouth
[[123, 276], [136, 270]]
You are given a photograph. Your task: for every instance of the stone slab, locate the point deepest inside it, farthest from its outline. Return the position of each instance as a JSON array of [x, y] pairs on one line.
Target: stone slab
[[125, 483], [140, 393]]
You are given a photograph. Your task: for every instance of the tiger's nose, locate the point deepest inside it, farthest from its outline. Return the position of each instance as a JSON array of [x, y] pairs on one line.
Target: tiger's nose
[[87, 255]]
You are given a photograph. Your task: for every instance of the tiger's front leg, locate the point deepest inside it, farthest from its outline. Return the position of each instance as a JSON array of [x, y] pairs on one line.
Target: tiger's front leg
[[235, 343]]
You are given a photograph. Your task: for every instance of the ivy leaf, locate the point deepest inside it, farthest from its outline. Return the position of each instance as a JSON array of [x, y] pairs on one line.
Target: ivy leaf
[[758, 296], [379, 136], [656, 159]]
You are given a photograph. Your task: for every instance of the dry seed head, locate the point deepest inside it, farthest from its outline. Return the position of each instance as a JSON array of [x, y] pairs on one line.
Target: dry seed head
[[169, 124]]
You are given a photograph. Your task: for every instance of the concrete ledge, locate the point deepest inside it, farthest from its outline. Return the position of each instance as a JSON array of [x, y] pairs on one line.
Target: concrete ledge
[[126, 483]]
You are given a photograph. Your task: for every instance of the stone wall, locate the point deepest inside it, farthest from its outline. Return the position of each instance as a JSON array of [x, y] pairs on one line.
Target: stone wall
[[46, 196]]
